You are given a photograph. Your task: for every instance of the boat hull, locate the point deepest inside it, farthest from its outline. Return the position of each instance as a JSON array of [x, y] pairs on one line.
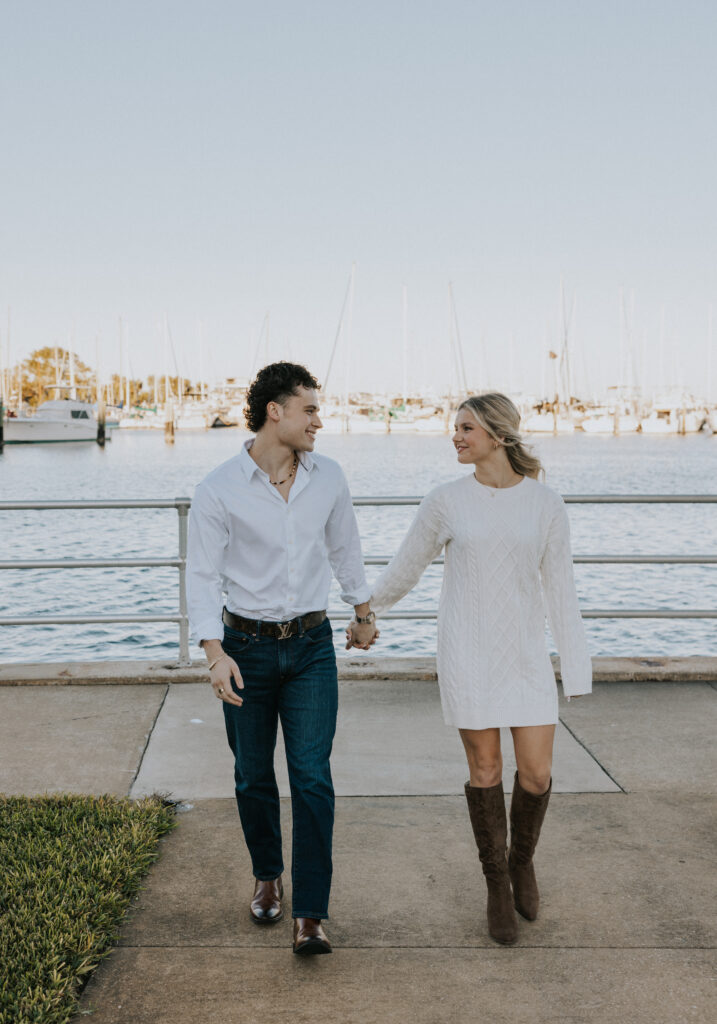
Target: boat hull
[[37, 431]]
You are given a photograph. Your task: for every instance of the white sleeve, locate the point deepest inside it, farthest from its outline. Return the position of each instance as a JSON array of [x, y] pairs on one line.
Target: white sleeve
[[424, 541], [343, 545], [208, 537], [561, 602]]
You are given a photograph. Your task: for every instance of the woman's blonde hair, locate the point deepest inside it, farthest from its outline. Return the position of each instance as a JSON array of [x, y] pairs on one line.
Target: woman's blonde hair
[[500, 419]]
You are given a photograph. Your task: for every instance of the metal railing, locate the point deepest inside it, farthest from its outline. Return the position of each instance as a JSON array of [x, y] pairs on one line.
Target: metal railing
[[182, 506]]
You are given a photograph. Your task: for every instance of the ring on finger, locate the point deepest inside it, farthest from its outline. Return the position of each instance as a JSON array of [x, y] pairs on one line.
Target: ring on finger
[[220, 690]]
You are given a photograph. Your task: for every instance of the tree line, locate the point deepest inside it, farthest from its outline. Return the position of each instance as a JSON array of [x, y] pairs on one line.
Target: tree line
[[37, 378]]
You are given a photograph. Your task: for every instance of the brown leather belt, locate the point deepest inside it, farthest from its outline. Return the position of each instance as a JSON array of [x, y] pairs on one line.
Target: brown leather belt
[[281, 630]]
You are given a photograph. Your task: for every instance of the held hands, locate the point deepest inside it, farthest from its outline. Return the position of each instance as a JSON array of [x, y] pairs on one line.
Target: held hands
[[362, 635]]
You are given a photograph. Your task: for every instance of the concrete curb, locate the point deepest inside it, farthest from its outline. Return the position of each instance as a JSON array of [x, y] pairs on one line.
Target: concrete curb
[[697, 668]]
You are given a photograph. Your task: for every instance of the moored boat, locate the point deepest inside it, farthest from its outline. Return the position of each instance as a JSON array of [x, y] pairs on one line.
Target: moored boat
[[59, 420]]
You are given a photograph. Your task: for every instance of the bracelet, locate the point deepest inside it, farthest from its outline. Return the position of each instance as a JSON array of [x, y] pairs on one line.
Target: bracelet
[[216, 660], [364, 619]]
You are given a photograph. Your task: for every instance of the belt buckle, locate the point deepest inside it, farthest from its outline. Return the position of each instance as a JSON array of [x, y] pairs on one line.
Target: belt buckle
[[284, 628]]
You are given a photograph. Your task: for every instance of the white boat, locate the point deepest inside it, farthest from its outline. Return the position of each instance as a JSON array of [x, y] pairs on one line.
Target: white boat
[[59, 420], [192, 418], [433, 425], [546, 423], [675, 421], [605, 423]]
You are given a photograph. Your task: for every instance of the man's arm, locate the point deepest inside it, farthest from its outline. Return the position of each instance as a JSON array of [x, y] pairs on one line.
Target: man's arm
[[207, 541], [344, 549], [208, 538]]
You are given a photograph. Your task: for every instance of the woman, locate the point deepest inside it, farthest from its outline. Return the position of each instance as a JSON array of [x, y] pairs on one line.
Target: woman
[[506, 539]]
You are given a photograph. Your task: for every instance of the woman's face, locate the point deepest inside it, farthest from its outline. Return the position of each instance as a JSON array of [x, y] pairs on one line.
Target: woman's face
[[471, 441]]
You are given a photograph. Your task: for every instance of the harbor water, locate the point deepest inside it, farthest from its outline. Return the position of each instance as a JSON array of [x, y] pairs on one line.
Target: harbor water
[[138, 464]]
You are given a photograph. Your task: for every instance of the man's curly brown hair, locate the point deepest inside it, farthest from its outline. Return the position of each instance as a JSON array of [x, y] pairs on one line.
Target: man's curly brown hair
[[274, 383]]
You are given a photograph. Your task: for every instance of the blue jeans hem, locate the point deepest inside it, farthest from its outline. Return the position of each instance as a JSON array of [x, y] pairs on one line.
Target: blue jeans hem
[[310, 913]]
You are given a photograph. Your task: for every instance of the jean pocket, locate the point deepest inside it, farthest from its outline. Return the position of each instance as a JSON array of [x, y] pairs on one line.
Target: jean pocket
[[321, 634], [235, 640]]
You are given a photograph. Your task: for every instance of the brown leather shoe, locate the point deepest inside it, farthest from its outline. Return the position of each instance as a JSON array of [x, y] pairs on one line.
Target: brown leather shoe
[[309, 936], [265, 907]]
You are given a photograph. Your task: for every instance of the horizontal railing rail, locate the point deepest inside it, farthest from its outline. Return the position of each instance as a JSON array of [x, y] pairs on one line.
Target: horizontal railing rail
[[578, 499], [41, 506], [94, 563], [592, 560], [182, 506]]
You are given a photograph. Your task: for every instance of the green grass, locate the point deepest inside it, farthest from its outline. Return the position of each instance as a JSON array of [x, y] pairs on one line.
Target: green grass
[[69, 866]]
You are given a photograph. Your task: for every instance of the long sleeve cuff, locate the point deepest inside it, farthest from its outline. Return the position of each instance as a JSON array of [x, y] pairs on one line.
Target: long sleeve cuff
[[358, 595], [380, 605], [576, 674], [207, 629]]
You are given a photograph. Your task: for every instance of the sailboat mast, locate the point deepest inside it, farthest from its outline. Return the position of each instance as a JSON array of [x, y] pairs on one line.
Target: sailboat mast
[[73, 392], [121, 360], [449, 402], [405, 345], [347, 348], [565, 383], [463, 380], [127, 376], [201, 360], [339, 332], [166, 361], [9, 371], [709, 354]]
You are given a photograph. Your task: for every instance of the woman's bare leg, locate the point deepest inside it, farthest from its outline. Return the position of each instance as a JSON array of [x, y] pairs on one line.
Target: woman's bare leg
[[531, 793], [485, 761], [534, 756]]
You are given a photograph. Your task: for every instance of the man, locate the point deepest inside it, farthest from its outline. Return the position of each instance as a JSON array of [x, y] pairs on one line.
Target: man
[[267, 528]]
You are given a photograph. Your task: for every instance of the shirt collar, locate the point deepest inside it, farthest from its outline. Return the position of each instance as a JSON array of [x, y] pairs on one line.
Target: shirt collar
[[250, 467]]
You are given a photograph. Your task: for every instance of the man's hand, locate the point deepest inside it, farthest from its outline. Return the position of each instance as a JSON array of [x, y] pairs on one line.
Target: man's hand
[[362, 635], [225, 669]]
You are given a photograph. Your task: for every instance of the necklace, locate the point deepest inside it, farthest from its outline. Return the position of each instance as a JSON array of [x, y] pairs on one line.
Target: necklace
[[492, 490], [278, 483]]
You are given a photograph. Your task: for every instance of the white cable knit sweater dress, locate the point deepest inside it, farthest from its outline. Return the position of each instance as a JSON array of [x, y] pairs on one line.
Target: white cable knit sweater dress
[[500, 546]]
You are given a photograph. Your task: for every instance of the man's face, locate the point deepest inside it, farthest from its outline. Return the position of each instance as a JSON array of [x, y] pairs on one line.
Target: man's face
[[299, 420]]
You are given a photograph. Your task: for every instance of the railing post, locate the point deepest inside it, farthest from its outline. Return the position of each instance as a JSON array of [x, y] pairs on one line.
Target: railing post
[[183, 511]]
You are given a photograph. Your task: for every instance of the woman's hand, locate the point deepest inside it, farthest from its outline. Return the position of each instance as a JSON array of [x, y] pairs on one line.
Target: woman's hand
[[362, 635]]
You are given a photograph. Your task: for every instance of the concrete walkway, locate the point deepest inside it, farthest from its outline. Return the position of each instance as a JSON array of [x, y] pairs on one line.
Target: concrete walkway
[[626, 862]]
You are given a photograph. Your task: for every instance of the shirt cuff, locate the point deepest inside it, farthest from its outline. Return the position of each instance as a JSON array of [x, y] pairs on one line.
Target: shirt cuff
[[358, 596], [208, 629]]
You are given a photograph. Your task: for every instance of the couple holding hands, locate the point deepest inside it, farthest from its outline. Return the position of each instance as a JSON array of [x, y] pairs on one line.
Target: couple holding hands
[[270, 526]]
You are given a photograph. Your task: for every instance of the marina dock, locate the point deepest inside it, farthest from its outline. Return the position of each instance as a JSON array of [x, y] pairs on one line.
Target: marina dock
[[627, 925]]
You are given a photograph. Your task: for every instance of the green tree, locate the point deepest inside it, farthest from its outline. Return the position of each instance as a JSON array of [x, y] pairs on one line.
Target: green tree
[[48, 366]]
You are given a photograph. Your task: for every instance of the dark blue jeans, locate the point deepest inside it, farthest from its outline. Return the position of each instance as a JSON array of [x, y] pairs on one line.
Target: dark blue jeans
[[293, 680]]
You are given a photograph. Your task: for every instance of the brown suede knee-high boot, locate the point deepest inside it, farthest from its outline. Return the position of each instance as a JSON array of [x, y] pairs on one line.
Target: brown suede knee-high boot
[[527, 811], [486, 807]]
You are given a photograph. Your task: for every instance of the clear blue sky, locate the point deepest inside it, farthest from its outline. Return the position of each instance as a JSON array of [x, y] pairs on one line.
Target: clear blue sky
[[219, 160]]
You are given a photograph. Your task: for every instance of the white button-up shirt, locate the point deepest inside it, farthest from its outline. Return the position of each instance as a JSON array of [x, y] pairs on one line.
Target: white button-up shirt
[[272, 558]]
